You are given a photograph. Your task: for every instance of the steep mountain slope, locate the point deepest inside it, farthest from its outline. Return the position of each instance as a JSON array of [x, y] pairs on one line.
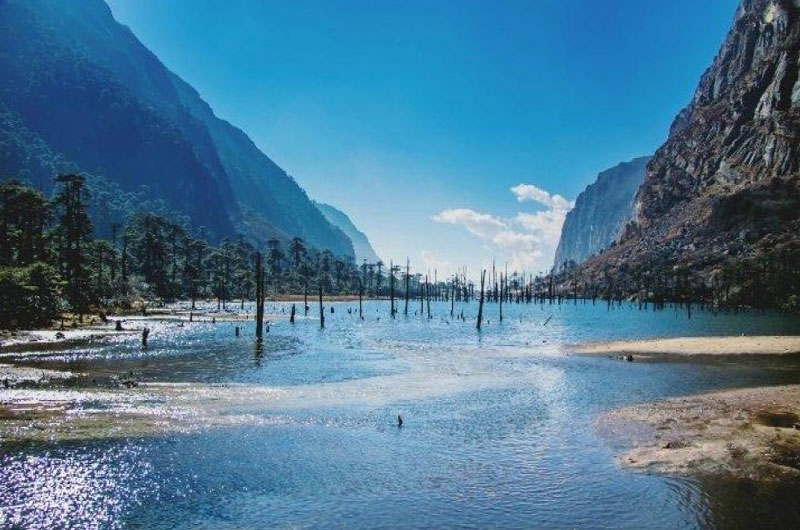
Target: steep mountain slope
[[269, 198], [601, 212], [361, 245], [99, 99], [725, 187]]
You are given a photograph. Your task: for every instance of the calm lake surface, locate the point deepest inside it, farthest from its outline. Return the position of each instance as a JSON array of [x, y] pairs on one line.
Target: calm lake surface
[[499, 427]]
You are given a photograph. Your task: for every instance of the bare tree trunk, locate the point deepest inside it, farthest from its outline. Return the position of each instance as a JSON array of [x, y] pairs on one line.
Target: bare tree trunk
[[421, 298], [360, 296], [480, 303], [452, 297], [428, 295], [408, 270], [321, 311], [391, 287], [502, 295], [259, 298]]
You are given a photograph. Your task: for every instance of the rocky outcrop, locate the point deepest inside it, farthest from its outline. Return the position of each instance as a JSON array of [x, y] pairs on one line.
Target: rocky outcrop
[[725, 187], [601, 212]]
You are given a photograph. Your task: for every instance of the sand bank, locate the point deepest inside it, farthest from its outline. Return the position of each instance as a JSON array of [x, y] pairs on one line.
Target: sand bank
[[752, 432], [731, 345]]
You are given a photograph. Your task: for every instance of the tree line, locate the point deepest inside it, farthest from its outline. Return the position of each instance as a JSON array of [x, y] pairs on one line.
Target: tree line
[[51, 263]]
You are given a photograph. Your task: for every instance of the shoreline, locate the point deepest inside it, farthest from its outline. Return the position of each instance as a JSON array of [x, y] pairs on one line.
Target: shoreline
[[696, 346], [24, 340], [749, 433], [55, 337]]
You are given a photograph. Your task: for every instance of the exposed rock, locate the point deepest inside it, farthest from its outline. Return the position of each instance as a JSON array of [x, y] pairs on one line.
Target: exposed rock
[[725, 186], [601, 212]]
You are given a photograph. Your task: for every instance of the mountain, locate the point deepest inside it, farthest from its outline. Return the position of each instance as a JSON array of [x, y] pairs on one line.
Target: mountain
[[361, 244], [724, 190], [99, 102], [601, 212]]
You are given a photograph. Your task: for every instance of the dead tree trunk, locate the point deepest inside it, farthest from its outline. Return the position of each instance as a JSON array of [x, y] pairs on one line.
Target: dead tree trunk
[[408, 270], [259, 298], [428, 295], [452, 297], [321, 311], [480, 303], [421, 297], [502, 295], [305, 298], [391, 287]]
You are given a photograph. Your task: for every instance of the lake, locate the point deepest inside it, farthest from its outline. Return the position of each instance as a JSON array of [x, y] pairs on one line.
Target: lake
[[498, 426]]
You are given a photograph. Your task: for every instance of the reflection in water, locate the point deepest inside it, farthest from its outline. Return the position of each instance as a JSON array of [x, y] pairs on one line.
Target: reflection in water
[[738, 503], [497, 427], [258, 352]]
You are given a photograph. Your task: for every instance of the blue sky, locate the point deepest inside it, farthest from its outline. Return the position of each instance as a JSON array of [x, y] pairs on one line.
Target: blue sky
[[418, 117]]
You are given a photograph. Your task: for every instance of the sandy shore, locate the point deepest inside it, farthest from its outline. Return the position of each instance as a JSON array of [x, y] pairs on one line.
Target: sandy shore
[[696, 346], [753, 432]]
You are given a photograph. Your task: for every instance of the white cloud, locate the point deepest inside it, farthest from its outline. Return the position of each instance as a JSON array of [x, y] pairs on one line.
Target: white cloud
[[529, 192], [526, 241], [479, 224]]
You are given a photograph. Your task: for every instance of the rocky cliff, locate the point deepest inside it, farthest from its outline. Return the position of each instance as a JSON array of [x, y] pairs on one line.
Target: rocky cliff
[[601, 212], [725, 187]]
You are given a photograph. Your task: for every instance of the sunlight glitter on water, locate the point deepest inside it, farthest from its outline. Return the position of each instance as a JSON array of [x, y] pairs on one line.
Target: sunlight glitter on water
[[498, 425]]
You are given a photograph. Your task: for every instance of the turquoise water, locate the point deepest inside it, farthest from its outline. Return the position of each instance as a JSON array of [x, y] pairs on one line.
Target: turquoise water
[[498, 427]]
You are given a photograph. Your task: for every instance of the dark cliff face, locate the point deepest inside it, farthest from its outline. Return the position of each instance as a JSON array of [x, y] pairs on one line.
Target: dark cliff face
[[97, 101], [741, 128], [601, 212], [725, 184]]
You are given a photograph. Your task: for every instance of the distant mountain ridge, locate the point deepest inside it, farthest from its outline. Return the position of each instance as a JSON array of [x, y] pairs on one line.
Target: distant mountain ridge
[[601, 212], [100, 102], [361, 245]]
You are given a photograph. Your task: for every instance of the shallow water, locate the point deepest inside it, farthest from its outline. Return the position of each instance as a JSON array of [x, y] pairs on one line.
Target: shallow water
[[498, 427]]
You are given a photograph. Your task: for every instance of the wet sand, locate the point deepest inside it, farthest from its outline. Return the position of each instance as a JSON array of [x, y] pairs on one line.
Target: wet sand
[[752, 432], [697, 346]]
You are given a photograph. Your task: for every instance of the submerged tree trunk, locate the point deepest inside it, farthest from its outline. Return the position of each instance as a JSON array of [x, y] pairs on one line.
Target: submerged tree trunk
[[391, 287], [259, 298], [428, 296], [502, 295], [360, 296], [408, 270], [321, 311], [480, 303], [452, 297]]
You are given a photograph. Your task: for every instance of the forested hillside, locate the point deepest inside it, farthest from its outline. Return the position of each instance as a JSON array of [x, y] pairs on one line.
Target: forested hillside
[[81, 94]]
